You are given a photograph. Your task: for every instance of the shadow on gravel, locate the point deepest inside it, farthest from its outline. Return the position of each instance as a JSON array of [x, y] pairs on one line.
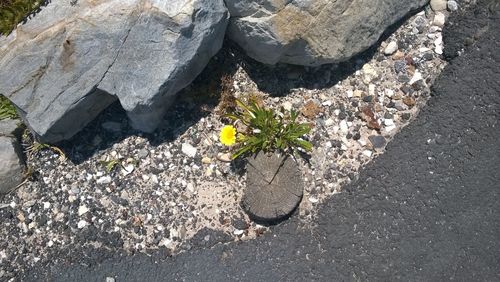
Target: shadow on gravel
[[199, 99]]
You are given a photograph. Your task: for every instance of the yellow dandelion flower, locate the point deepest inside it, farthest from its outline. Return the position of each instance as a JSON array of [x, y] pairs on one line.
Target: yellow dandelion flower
[[228, 135]]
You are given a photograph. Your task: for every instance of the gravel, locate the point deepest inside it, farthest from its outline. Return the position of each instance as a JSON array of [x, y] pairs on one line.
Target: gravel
[[176, 189]]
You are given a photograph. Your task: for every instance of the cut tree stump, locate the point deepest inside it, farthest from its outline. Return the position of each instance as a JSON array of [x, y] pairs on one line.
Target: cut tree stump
[[274, 187]]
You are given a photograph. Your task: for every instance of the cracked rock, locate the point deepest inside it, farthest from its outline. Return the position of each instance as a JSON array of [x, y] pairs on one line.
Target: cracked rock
[[312, 33], [73, 61]]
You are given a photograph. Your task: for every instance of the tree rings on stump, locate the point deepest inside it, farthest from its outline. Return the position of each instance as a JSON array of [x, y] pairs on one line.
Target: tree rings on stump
[[274, 187]]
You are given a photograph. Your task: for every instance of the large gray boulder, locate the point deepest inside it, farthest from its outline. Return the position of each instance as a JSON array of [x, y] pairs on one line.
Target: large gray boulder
[[74, 58], [11, 156], [312, 32]]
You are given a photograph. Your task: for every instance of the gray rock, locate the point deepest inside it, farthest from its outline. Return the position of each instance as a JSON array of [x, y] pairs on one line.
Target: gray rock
[[438, 5], [11, 165], [72, 61], [11, 128], [274, 187], [307, 32], [377, 141]]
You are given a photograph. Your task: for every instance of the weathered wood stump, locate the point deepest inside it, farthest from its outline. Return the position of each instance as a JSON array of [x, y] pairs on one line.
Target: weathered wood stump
[[274, 187]]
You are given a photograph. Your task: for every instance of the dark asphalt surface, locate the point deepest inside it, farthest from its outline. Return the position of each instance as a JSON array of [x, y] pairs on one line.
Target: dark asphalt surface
[[426, 210]]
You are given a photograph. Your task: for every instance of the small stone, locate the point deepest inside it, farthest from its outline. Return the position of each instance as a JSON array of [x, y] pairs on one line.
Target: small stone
[[398, 55], [313, 199], [206, 160], [438, 5], [389, 93], [81, 224], [287, 106], [110, 279], [357, 93], [367, 153], [439, 19], [143, 153], [403, 78], [189, 150], [400, 66], [439, 50], [427, 56], [452, 6], [377, 141], [82, 210], [369, 73], [406, 116], [420, 24], [409, 101], [391, 48], [238, 232], [368, 99], [224, 157], [104, 180], [417, 76], [388, 122], [190, 187], [343, 126], [127, 169], [46, 205], [400, 106]]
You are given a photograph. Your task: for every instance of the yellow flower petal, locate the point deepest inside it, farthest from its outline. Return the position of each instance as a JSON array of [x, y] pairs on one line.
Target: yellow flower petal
[[228, 135]]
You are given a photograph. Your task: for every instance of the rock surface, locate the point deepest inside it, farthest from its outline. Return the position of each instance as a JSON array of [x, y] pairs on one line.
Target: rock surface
[[11, 164], [311, 33], [274, 187], [74, 60]]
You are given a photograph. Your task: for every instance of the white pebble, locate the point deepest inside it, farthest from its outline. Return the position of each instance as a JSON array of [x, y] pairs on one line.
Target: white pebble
[[343, 126], [439, 19], [367, 153], [189, 150], [389, 93], [391, 48], [388, 122], [82, 210], [287, 106], [104, 180], [416, 77], [128, 169], [82, 224], [313, 200], [238, 232]]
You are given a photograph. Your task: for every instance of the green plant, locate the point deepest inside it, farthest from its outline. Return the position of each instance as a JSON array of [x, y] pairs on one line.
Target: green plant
[[13, 12], [110, 164], [267, 130], [7, 110]]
